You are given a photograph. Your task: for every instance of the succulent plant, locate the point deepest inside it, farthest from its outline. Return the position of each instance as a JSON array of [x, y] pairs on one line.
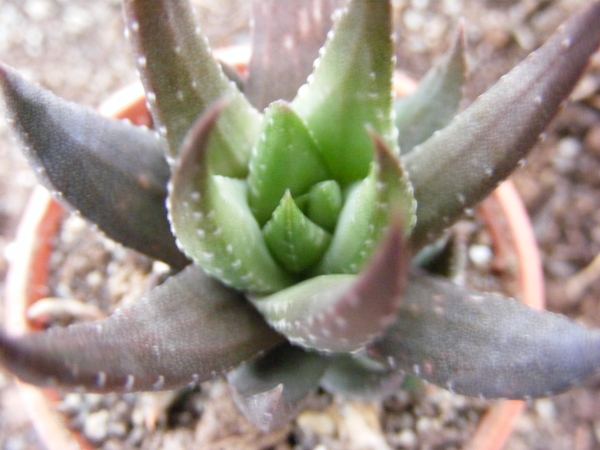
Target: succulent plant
[[289, 212]]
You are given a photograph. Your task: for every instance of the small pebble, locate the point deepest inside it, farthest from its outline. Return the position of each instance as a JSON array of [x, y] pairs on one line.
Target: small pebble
[[568, 149], [480, 255], [93, 401], [545, 409], [71, 404], [136, 436], [360, 426], [317, 423], [120, 411], [425, 425], [586, 87], [407, 439], [38, 10], [96, 426], [117, 430]]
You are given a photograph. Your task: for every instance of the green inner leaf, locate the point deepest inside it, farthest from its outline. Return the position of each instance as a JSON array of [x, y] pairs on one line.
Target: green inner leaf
[[295, 241], [240, 257], [285, 157], [213, 223], [367, 212], [324, 203], [350, 88], [354, 232], [293, 311], [342, 313]]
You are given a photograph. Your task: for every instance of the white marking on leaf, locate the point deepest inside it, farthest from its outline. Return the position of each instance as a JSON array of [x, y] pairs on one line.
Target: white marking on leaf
[[159, 383], [129, 382], [101, 379]]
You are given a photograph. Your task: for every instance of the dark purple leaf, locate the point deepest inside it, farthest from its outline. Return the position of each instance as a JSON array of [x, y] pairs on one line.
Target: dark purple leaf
[[435, 102], [112, 172], [287, 36], [188, 330], [271, 389], [182, 79], [361, 378], [483, 344], [461, 164], [342, 313]]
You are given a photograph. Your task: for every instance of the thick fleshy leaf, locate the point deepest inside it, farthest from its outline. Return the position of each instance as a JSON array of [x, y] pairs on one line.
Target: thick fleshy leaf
[[462, 163], [341, 313], [324, 203], [435, 102], [188, 330], [286, 38], [270, 390], [110, 171], [286, 157], [213, 222], [182, 80], [367, 212], [295, 241], [483, 344], [355, 376], [350, 88]]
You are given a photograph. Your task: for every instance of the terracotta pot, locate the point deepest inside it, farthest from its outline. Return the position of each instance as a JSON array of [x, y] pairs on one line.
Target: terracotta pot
[[503, 214]]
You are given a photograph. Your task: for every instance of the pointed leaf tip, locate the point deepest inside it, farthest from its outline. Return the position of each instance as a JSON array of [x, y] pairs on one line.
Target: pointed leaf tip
[[212, 220], [483, 344], [286, 38], [342, 313], [113, 173], [182, 80], [350, 87], [189, 329], [293, 239], [285, 157], [461, 164], [435, 102], [272, 388], [370, 206]]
